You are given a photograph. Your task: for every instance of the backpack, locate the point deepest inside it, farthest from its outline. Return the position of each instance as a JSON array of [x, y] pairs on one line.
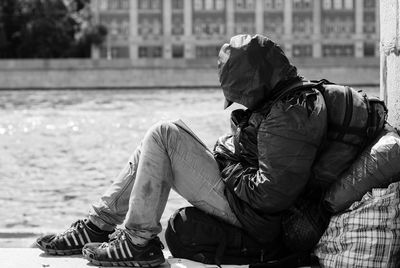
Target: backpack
[[195, 235], [354, 121]]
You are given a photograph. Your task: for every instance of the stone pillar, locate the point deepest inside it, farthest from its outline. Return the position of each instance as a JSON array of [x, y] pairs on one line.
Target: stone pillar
[[317, 45], [359, 44], [94, 5], [287, 25], [230, 18], [188, 24], [377, 26], [390, 58], [133, 25], [167, 21], [259, 16]]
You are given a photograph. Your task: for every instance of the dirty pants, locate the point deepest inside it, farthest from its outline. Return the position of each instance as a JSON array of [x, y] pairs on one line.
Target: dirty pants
[[168, 157]]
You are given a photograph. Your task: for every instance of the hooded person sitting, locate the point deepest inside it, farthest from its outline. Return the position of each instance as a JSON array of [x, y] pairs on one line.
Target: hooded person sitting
[[252, 177]]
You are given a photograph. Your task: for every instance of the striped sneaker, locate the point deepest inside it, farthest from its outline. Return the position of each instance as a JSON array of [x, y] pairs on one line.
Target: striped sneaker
[[120, 251], [72, 240]]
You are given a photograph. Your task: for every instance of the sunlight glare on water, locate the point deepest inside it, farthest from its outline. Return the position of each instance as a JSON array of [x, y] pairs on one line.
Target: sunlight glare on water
[[61, 149]]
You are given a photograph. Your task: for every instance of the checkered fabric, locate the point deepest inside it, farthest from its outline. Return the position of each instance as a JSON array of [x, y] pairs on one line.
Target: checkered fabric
[[366, 235]]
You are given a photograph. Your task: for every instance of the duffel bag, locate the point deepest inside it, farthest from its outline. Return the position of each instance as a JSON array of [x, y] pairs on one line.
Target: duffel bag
[[367, 235]]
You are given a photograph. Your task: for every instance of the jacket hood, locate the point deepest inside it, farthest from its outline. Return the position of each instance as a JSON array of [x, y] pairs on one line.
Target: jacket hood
[[250, 68]]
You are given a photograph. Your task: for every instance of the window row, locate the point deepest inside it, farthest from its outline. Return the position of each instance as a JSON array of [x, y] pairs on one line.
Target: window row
[[335, 50], [114, 52], [239, 4], [150, 26], [208, 27], [209, 4], [302, 4], [113, 4], [150, 4], [338, 4], [245, 4], [116, 26], [211, 51], [338, 25]]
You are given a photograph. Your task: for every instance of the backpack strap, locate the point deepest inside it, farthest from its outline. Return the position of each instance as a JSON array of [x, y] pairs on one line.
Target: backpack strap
[[344, 127]]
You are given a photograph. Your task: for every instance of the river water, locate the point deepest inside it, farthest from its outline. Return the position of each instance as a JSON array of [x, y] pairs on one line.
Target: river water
[[60, 149]]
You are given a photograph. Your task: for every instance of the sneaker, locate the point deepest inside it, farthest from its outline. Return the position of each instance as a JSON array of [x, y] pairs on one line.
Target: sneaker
[[72, 240], [121, 251]]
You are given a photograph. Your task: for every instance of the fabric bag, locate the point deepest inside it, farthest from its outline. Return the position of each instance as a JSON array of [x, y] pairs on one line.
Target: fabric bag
[[367, 235], [376, 167]]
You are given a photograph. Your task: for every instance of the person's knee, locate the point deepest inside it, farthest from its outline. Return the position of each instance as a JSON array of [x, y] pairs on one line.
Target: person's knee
[[164, 130]]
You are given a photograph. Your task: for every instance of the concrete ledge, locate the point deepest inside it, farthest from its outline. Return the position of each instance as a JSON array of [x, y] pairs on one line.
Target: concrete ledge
[[35, 258]]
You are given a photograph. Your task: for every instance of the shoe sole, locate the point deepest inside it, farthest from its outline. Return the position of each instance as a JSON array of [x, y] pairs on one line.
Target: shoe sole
[[152, 263], [65, 252]]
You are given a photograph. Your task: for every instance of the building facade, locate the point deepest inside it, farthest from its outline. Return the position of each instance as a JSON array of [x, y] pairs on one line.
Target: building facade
[[195, 29]]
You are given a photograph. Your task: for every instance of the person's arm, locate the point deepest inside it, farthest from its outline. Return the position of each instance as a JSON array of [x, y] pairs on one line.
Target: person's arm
[[287, 142]]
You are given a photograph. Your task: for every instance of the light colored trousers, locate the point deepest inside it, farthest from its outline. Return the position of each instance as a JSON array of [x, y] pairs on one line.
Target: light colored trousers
[[168, 157]]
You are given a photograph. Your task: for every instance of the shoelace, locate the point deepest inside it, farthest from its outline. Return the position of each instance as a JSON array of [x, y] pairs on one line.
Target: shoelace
[[118, 235], [75, 226]]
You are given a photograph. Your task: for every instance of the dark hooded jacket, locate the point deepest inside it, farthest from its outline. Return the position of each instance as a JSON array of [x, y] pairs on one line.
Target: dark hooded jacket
[[266, 161]]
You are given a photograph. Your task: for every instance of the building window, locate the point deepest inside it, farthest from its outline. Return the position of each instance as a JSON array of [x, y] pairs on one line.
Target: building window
[[103, 5], [302, 51], [348, 4], [177, 4], [198, 4], [244, 4], [208, 26], [150, 52], [369, 50], [177, 51], [125, 4], [150, 4], [327, 4], [155, 4], [273, 23], [338, 25], [369, 23], [338, 4], [207, 51], [369, 3], [244, 24], [302, 4], [117, 26], [338, 50], [144, 4], [273, 4], [219, 4], [177, 24], [208, 4], [302, 24], [114, 52], [149, 25]]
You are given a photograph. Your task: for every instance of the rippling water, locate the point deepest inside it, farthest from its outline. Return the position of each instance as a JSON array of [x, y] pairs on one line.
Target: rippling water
[[59, 150]]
